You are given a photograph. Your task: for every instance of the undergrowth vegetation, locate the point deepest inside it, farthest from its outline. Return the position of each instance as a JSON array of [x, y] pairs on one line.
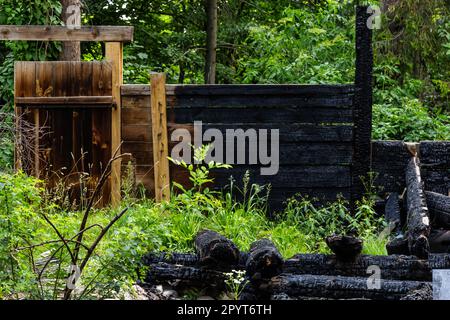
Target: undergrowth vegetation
[[35, 265]]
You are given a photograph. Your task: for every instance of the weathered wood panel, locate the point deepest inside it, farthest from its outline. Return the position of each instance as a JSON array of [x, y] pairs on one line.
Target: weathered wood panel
[[315, 126], [75, 139], [62, 33]]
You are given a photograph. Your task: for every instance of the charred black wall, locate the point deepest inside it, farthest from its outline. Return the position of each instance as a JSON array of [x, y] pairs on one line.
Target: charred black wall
[[389, 159]]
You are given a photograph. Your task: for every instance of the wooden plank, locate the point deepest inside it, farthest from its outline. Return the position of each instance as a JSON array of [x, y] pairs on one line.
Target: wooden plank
[[341, 101], [160, 140], [61, 33], [67, 101], [240, 114], [136, 102], [435, 154], [288, 133], [244, 114], [75, 79], [114, 54], [290, 154], [136, 116], [242, 89], [291, 176]]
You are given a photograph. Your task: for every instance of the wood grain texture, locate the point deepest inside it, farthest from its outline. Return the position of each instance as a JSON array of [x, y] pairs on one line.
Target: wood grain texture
[[114, 54], [61, 33], [160, 137]]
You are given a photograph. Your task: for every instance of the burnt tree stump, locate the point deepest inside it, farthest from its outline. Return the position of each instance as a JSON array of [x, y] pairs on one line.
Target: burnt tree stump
[[398, 245], [214, 250], [264, 260], [346, 248]]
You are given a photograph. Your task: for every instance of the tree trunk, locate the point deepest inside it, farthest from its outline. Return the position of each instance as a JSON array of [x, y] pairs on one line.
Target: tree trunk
[[332, 287], [71, 50], [214, 250], [211, 41], [439, 206], [264, 260], [418, 221]]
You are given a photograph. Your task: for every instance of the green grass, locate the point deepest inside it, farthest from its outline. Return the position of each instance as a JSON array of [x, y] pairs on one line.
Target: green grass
[[147, 227]]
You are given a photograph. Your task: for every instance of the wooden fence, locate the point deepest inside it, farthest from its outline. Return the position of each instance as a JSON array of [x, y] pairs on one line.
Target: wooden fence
[[315, 123]]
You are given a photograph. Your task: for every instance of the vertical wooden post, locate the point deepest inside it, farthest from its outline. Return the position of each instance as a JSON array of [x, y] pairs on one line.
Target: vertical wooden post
[[36, 172], [160, 140], [114, 54], [362, 103]]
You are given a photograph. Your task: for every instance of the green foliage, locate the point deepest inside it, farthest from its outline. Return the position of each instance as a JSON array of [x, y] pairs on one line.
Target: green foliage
[[19, 226], [305, 46], [19, 12], [27, 240], [6, 141], [410, 121]]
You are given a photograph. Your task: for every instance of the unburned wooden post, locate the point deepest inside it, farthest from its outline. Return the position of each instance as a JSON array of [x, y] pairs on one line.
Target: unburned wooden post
[[159, 136], [114, 54]]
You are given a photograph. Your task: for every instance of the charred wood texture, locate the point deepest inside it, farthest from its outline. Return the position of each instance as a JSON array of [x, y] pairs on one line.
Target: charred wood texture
[[398, 245], [392, 267], [346, 248], [214, 250], [392, 212], [439, 208], [363, 103], [417, 221], [164, 272], [338, 287], [184, 259], [440, 241], [264, 260]]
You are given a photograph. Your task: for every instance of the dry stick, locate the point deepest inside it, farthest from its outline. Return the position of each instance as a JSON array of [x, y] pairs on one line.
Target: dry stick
[[59, 248], [68, 291], [97, 189], [49, 242], [72, 257]]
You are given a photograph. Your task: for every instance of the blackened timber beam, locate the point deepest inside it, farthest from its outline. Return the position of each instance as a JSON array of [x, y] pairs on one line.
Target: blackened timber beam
[[362, 102]]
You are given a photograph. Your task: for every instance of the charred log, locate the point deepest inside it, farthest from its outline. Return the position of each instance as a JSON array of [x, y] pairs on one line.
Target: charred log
[[346, 248], [439, 207], [185, 259], [440, 241], [418, 221], [392, 212], [164, 272], [264, 260], [338, 287], [214, 250], [399, 246], [392, 267]]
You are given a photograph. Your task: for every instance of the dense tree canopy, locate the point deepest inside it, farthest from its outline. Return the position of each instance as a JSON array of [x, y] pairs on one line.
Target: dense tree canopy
[[266, 41]]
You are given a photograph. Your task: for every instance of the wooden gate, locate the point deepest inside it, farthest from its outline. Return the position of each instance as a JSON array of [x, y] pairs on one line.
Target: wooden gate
[[70, 105]]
